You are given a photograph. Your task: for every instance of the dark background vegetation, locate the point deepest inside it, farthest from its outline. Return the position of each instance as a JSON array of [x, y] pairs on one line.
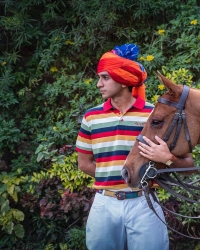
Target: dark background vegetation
[[48, 56]]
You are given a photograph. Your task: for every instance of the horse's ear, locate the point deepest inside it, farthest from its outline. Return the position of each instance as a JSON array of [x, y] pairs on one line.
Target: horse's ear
[[169, 85]]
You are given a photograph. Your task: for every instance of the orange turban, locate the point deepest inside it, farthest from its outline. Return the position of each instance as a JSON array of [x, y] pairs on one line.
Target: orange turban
[[124, 71]]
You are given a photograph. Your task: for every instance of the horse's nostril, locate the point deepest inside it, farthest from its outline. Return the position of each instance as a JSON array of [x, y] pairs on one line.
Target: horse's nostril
[[125, 175]]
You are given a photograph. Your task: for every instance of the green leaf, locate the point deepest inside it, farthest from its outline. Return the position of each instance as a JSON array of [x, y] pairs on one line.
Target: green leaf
[[2, 199], [18, 215], [3, 188], [19, 231], [10, 189], [60, 161], [40, 156], [9, 227], [40, 148], [14, 196], [5, 207]]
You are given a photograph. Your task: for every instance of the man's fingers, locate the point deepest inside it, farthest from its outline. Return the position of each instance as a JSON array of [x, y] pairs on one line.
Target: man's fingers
[[143, 146], [148, 141], [158, 139], [146, 155]]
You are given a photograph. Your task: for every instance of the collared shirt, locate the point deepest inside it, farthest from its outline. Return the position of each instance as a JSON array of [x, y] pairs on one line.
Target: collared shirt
[[109, 136]]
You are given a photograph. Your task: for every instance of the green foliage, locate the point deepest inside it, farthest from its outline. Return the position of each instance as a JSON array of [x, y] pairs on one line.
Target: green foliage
[[76, 239], [187, 208], [66, 169], [70, 175], [57, 210], [185, 244], [44, 153], [7, 96], [196, 155], [185, 225], [163, 195], [25, 164], [9, 134], [10, 218]]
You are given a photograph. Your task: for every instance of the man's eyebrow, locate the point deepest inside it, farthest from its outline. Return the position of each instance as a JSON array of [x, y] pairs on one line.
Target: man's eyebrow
[[103, 74]]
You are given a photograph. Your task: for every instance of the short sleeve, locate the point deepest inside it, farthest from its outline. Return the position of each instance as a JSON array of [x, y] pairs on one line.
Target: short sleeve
[[84, 142]]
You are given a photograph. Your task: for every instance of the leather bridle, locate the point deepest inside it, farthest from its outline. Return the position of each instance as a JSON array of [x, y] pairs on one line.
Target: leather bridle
[[163, 177], [179, 118]]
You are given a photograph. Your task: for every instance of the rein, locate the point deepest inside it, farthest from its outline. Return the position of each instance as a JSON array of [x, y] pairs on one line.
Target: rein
[[162, 176]]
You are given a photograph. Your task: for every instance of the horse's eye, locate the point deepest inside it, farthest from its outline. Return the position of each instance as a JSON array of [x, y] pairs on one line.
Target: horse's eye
[[156, 123]]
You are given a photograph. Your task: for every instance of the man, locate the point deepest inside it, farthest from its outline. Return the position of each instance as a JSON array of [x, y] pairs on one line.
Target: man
[[107, 134]]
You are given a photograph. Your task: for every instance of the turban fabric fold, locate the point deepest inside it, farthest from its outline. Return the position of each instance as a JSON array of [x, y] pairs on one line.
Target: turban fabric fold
[[124, 71]]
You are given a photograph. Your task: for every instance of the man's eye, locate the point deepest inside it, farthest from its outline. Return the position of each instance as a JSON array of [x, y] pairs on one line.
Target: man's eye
[[156, 123]]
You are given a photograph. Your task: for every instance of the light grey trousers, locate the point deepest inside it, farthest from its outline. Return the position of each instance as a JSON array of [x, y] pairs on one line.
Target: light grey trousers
[[125, 224]]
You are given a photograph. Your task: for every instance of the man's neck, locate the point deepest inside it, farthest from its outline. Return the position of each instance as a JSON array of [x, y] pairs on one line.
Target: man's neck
[[123, 103]]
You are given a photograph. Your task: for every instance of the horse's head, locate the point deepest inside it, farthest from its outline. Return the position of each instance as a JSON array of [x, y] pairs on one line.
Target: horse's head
[[159, 123]]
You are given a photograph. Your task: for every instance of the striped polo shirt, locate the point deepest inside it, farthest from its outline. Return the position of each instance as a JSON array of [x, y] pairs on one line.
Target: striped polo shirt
[[109, 136]]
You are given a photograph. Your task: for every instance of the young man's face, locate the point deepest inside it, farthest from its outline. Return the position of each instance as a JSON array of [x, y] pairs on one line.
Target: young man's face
[[108, 87]]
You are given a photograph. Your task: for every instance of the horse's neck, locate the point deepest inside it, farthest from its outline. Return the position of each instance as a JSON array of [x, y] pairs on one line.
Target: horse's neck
[[194, 110], [194, 101]]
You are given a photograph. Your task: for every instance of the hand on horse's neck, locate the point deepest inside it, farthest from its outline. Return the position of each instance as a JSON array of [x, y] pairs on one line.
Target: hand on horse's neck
[[123, 103]]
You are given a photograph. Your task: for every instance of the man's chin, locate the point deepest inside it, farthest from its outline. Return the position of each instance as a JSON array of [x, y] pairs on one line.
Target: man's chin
[[105, 97]]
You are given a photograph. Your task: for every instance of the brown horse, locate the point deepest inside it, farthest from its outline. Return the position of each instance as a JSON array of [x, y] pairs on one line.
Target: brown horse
[[159, 123]]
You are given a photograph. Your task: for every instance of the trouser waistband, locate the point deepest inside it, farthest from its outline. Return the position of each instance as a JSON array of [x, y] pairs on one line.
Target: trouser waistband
[[120, 195]]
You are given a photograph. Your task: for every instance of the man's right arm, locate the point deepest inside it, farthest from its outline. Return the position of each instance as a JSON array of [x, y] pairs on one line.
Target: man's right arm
[[86, 163]]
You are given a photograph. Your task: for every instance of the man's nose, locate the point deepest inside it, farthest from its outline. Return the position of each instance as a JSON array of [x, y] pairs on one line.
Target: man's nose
[[99, 83]]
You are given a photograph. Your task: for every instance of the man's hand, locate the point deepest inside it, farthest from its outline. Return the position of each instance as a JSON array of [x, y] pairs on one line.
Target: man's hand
[[155, 152]]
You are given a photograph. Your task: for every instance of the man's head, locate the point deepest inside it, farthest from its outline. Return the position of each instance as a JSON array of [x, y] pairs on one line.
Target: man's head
[[120, 65], [108, 87]]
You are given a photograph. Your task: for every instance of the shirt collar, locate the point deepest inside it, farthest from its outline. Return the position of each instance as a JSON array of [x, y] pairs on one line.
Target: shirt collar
[[107, 105], [139, 104]]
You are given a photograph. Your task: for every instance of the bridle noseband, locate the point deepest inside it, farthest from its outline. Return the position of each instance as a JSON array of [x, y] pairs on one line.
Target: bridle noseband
[[162, 177]]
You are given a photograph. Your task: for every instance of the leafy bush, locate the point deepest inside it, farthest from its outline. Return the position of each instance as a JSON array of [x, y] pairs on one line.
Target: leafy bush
[[10, 217], [57, 210], [76, 239]]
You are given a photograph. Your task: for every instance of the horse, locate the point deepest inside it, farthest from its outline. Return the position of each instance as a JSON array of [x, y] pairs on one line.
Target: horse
[[175, 118], [159, 123]]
